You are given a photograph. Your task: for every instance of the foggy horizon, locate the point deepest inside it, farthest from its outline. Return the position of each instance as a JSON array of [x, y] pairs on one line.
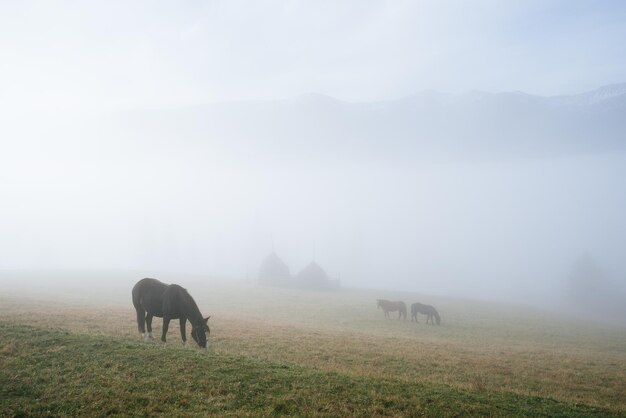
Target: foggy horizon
[[435, 147]]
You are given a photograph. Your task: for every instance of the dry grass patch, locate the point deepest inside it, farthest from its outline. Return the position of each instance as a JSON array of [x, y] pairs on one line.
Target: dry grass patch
[[593, 373]]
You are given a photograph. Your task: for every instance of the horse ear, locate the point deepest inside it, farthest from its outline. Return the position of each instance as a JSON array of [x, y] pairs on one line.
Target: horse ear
[[207, 319]]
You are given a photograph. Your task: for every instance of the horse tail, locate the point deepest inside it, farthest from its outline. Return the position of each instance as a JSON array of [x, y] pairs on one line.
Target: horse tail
[[141, 313], [403, 309]]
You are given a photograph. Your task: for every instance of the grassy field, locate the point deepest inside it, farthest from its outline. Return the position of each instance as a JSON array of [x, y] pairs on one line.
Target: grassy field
[[74, 350]]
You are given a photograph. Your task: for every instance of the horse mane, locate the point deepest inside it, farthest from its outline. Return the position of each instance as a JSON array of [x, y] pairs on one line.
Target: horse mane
[[193, 312]]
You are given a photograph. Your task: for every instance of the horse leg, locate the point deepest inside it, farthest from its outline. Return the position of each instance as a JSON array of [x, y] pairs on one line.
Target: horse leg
[[141, 320], [149, 317], [183, 322], [166, 324]]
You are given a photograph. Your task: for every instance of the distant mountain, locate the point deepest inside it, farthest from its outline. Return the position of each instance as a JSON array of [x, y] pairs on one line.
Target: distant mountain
[[603, 94], [425, 124]]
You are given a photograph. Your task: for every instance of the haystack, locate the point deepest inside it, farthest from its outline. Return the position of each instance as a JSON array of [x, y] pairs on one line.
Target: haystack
[[313, 277], [274, 271]]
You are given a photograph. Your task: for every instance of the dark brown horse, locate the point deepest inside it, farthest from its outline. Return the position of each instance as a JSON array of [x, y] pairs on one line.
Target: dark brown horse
[[427, 310], [168, 301], [392, 306]]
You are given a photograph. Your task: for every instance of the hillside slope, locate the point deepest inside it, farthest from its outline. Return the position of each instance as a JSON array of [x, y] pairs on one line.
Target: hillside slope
[[53, 372]]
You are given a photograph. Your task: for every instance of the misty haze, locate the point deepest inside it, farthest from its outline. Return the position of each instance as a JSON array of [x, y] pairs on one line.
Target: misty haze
[[307, 172]]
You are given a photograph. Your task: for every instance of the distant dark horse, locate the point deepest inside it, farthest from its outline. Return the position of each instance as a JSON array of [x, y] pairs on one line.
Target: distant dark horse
[[392, 306], [428, 310], [154, 298]]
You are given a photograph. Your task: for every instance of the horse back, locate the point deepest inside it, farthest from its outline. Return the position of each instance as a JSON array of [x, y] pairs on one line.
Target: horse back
[[393, 305], [419, 308], [174, 301]]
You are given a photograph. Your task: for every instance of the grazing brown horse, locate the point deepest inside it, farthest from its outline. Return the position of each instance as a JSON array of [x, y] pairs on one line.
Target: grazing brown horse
[[168, 301], [427, 310], [392, 306]]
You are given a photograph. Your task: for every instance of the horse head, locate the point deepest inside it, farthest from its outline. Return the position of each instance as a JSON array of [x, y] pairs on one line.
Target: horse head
[[200, 332], [378, 303]]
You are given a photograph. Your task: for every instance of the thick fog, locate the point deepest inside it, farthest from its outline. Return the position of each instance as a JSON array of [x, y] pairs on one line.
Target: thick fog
[[187, 140]]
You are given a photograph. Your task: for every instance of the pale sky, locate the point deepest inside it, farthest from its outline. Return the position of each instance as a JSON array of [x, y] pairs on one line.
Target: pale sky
[[120, 54], [211, 189]]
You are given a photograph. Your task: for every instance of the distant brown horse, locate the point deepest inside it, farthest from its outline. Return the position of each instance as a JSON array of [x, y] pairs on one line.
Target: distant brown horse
[[427, 310], [392, 306]]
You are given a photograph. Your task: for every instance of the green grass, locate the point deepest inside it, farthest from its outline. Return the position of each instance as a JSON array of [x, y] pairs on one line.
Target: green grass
[[57, 372], [69, 340]]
